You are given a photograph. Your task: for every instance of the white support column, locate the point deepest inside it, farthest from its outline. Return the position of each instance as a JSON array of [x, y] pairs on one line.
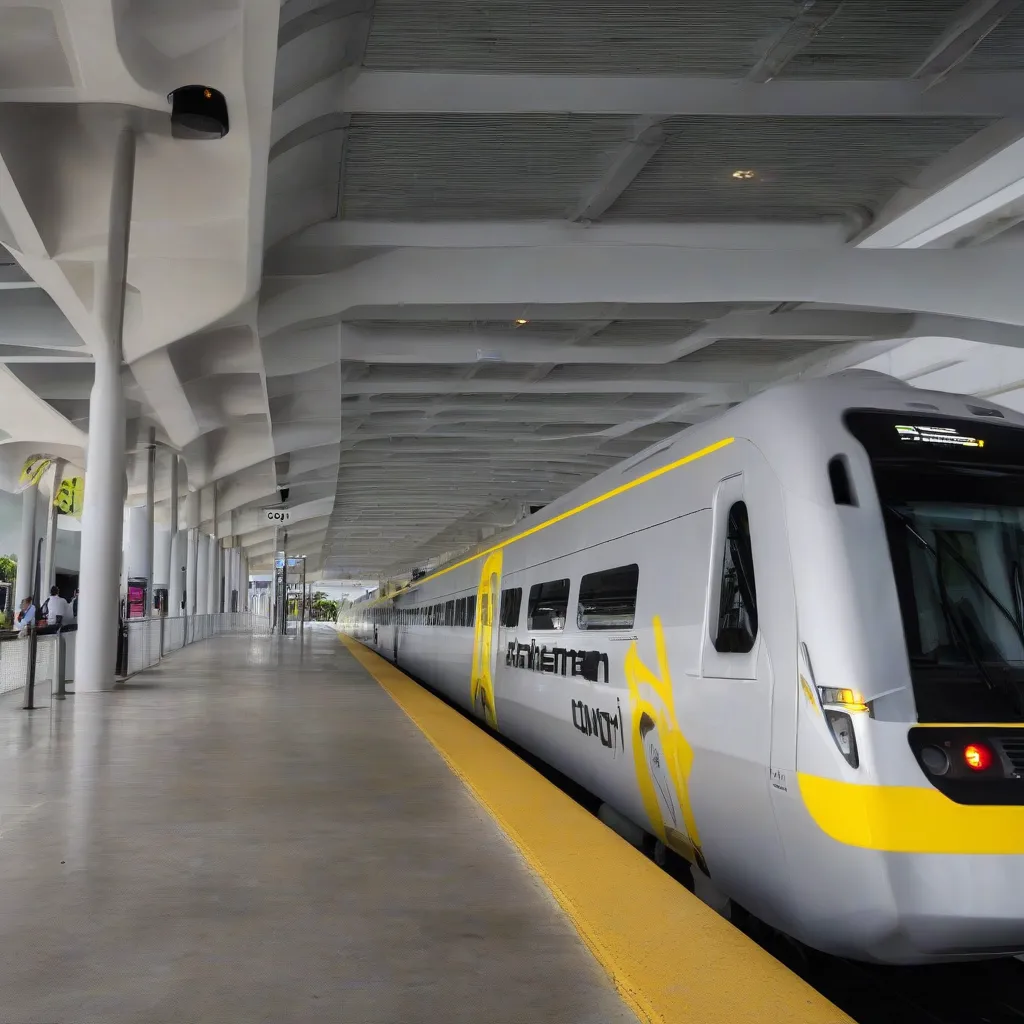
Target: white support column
[[192, 520], [213, 576], [176, 578], [50, 547], [102, 516], [147, 558], [26, 545], [203, 574]]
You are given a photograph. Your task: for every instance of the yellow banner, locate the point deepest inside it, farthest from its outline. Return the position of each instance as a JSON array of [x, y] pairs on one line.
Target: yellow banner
[[70, 495], [33, 470]]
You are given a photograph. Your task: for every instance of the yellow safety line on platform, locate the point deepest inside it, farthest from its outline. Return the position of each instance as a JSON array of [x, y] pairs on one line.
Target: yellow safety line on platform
[[671, 958]]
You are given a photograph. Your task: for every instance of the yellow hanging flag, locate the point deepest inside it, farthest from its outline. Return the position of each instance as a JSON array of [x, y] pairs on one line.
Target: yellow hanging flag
[[70, 496], [33, 470]]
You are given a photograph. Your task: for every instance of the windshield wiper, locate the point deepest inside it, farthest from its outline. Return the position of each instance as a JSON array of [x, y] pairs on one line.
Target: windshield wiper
[[1008, 688]]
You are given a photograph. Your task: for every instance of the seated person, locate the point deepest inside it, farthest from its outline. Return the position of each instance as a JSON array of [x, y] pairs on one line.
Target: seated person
[[25, 617]]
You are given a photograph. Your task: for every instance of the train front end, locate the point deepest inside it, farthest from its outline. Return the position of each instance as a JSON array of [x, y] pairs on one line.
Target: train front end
[[909, 845]]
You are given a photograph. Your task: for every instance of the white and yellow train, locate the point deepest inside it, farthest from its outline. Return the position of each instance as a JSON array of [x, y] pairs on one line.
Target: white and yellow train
[[789, 644]]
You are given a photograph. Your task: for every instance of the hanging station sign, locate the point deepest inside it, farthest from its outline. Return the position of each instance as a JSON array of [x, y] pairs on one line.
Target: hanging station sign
[[275, 516]]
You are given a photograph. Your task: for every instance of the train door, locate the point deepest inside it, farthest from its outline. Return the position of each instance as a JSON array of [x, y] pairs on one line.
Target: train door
[[485, 640], [731, 767]]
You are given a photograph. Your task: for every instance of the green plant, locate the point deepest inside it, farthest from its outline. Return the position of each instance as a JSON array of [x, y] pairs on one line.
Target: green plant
[[8, 568]]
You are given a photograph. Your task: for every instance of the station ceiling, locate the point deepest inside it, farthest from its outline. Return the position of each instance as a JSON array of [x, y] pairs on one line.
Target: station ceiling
[[457, 256]]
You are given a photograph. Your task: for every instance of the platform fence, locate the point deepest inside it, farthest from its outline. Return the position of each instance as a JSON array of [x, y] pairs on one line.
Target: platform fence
[[150, 639], [146, 642]]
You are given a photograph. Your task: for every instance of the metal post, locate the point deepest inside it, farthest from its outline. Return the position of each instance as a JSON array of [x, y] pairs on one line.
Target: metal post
[[302, 606], [59, 666], [282, 597]]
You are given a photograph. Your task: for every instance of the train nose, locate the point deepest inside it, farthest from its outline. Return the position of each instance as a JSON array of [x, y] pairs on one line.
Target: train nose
[[981, 910]]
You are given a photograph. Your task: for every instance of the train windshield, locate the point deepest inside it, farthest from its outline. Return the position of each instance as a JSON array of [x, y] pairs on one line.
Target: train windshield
[[952, 496]]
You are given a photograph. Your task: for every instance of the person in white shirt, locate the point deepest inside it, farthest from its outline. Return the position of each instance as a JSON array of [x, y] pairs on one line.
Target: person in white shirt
[[56, 610]]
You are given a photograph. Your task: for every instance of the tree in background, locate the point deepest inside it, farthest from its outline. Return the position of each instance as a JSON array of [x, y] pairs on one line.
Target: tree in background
[[8, 568]]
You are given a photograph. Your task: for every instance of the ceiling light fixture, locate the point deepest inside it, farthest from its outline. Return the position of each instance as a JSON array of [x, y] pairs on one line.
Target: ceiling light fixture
[[744, 175], [520, 322]]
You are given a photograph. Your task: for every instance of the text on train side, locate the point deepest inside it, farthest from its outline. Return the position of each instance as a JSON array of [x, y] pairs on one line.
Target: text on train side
[[557, 660]]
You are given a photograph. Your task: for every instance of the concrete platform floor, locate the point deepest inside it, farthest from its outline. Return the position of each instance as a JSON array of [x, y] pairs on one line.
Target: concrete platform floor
[[254, 831]]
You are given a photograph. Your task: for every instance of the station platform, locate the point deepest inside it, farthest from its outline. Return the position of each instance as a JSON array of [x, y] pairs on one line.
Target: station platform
[[290, 830]]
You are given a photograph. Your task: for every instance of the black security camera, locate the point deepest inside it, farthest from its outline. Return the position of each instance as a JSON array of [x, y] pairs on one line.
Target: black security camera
[[284, 492], [198, 112]]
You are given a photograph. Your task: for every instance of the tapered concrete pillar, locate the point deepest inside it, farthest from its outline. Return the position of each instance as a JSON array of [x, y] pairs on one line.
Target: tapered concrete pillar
[[213, 577], [176, 578], [102, 518], [50, 547], [203, 575], [102, 515], [147, 559], [26, 546], [192, 519]]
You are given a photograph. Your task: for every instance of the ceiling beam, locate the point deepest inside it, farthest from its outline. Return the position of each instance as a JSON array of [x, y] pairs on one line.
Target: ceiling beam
[[928, 280], [631, 158], [381, 92], [526, 346], [972, 24], [969, 186], [814, 16]]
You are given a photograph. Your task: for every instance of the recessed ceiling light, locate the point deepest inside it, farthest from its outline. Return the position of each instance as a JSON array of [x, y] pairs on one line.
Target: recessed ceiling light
[[520, 322], [744, 175]]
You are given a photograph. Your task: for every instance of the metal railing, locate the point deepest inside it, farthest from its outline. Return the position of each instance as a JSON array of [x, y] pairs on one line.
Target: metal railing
[[14, 655], [149, 640]]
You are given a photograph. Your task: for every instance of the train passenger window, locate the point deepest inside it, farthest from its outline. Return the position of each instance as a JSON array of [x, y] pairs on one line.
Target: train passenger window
[[737, 606], [548, 605], [449, 613], [471, 610], [839, 478], [608, 599], [511, 604]]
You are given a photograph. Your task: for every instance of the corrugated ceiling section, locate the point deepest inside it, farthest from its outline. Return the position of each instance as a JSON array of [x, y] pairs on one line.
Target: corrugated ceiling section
[[416, 400], [591, 371], [755, 350], [500, 371], [437, 167], [394, 372], [874, 39], [806, 168], [723, 37], [534, 330], [1003, 50], [643, 332]]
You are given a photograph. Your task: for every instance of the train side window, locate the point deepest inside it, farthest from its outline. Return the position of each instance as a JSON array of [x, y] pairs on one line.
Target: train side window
[[449, 613], [839, 478], [608, 599], [548, 605], [736, 630], [511, 604], [471, 610]]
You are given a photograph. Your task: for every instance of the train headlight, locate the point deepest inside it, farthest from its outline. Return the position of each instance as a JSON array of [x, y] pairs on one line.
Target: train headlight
[[852, 700], [841, 726], [935, 760]]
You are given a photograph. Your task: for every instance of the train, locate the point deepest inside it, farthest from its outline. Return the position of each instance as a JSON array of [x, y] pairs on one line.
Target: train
[[786, 644]]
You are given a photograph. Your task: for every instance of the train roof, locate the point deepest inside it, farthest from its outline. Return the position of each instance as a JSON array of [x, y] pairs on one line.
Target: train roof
[[779, 413]]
